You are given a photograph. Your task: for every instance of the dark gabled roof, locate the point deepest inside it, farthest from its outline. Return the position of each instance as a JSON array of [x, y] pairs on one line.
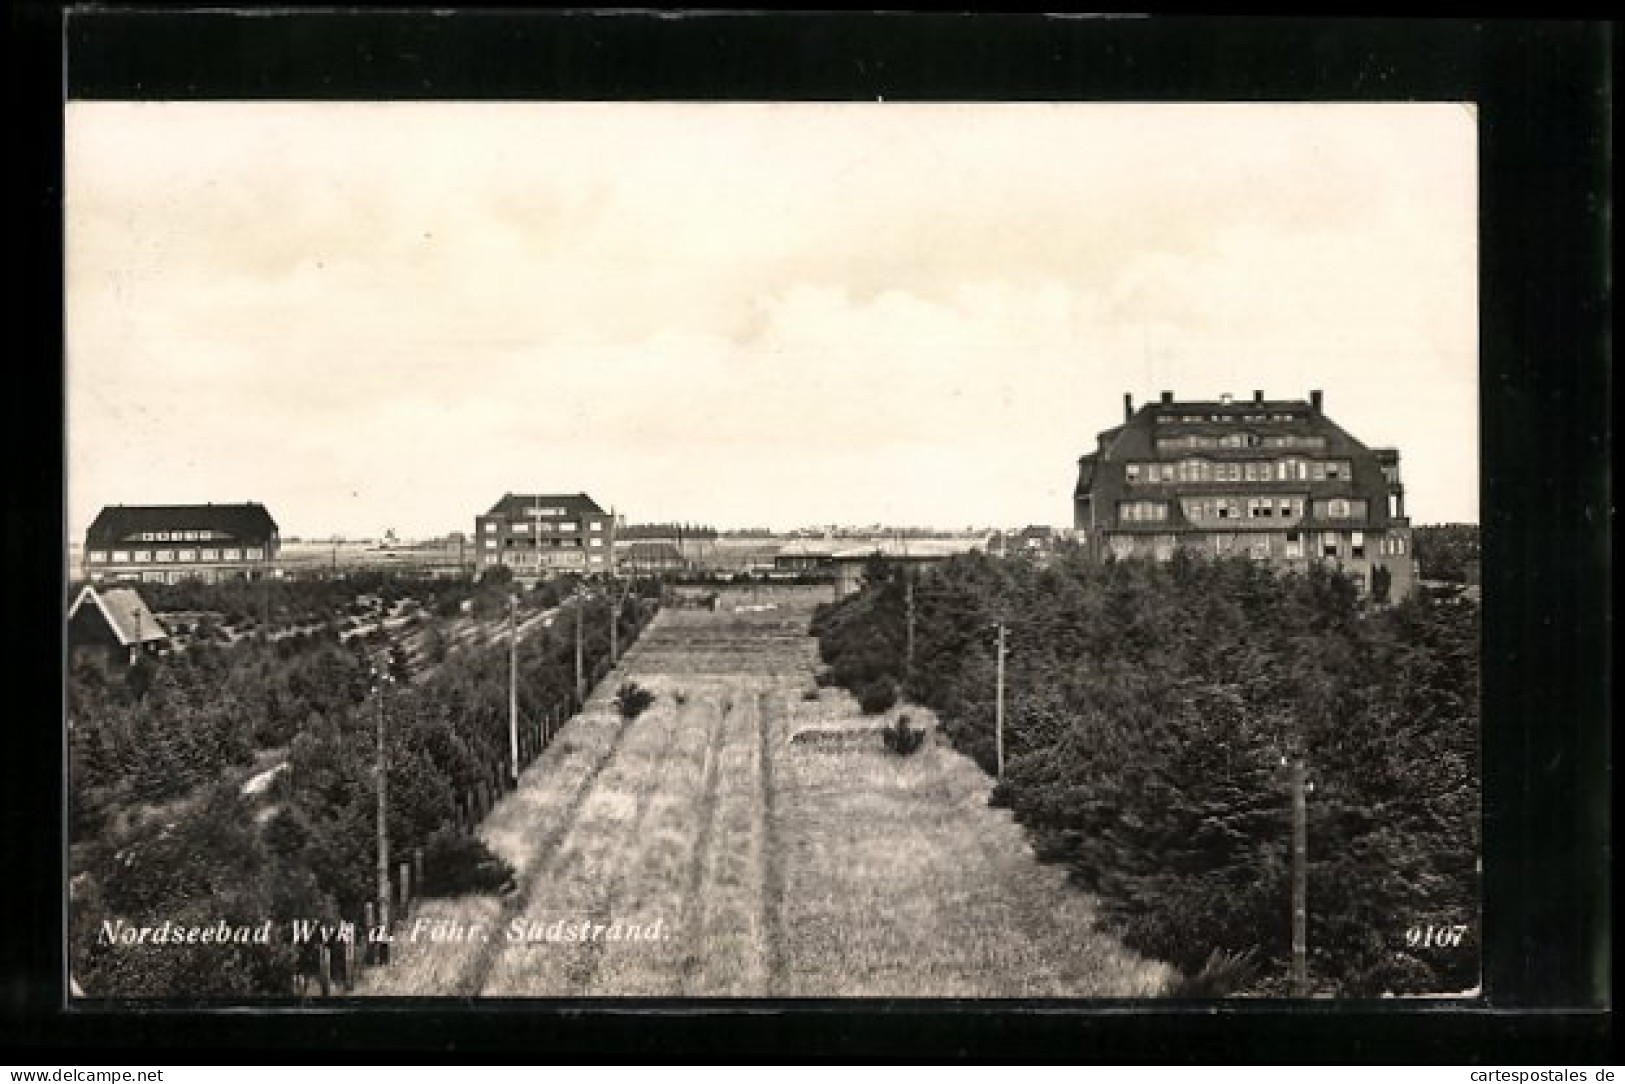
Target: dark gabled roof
[[516, 505], [651, 551], [120, 521], [125, 612]]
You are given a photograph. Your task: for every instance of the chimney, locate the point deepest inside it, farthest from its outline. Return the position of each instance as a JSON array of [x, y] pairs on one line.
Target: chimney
[[1258, 397], [1224, 399], [1167, 397], [1128, 406], [1315, 399]]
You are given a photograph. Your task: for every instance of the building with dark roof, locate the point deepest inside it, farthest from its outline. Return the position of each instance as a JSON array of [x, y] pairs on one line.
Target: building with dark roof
[[541, 534], [1274, 480], [114, 623], [174, 542]]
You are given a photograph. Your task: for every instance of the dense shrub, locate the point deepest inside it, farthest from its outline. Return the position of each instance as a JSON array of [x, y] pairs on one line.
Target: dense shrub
[[1148, 708], [456, 864], [168, 731], [1446, 551]]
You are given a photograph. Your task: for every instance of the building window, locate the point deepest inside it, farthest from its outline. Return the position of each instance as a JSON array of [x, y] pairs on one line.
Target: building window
[[1328, 545], [233, 555], [165, 555], [255, 554], [519, 528], [569, 526], [186, 555], [489, 527], [596, 543], [209, 555], [121, 557], [1357, 544], [1294, 544], [1142, 511], [96, 557], [1131, 473], [597, 525]]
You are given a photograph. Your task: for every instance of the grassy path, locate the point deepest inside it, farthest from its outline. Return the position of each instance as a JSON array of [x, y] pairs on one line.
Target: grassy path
[[768, 867]]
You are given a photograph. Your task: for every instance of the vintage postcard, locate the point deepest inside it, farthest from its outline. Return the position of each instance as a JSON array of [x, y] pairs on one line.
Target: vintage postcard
[[772, 550]]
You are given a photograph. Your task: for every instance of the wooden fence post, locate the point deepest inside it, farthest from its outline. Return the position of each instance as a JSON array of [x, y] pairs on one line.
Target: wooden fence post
[[371, 915], [349, 964], [406, 887], [324, 957], [417, 868]]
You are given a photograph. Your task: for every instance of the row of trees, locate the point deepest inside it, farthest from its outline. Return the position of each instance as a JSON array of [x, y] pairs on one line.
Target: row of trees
[[304, 847], [1149, 712], [1447, 551]]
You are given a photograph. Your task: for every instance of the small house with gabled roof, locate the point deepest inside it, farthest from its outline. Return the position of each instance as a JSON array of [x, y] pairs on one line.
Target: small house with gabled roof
[[114, 622]]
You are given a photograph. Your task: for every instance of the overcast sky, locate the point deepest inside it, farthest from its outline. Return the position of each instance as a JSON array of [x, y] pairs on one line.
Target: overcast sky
[[389, 314]]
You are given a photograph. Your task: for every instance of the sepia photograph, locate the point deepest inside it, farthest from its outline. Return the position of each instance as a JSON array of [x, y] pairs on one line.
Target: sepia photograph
[[772, 550]]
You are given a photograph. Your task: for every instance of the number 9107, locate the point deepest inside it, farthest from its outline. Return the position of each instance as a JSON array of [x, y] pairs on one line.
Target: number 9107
[[1431, 936]]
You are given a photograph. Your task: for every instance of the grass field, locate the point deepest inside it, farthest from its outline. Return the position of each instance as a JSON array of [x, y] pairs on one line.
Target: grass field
[[769, 865]]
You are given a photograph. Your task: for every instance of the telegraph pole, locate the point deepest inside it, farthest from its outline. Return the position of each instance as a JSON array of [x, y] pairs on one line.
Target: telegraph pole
[[1300, 879], [383, 827], [513, 686], [998, 712]]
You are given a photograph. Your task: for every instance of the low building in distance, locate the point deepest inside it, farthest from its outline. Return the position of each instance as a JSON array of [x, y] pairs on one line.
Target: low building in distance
[[542, 534], [174, 542], [1274, 480], [114, 624], [643, 557], [802, 555]]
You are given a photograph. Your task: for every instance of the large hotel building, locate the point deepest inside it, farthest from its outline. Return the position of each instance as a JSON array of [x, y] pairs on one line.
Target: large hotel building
[[538, 534], [1275, 480]]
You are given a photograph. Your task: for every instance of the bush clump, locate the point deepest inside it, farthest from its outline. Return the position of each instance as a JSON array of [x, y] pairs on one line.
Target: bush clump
[[455, 864], [877, 696], [632, 699], [902, 739]]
